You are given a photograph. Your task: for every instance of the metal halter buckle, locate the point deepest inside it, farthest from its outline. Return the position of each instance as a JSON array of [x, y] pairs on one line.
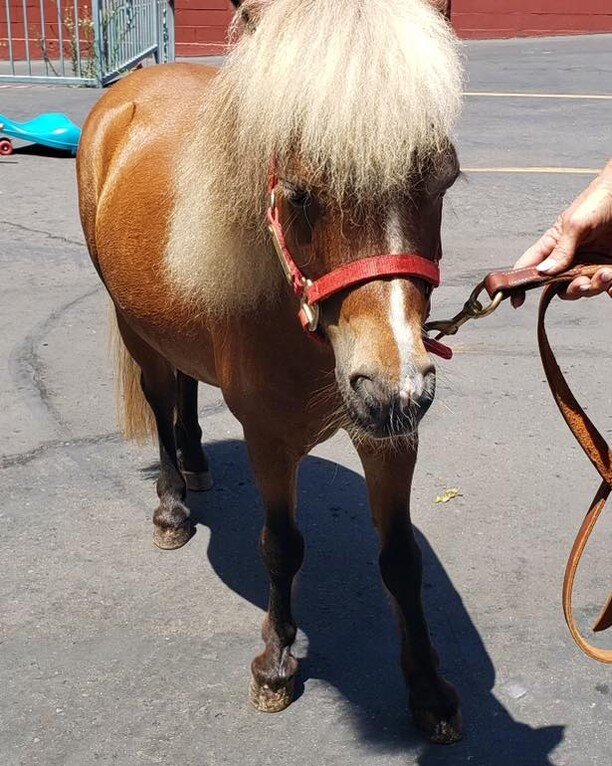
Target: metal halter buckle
[[310, 311]]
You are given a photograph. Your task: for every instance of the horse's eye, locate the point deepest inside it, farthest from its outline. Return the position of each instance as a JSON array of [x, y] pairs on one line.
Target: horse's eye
[[299, 197]]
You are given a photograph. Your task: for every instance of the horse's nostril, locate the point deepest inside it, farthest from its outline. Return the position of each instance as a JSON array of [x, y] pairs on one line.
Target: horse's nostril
[[360, 383], [404, 398], [418, 390], [428, 371]]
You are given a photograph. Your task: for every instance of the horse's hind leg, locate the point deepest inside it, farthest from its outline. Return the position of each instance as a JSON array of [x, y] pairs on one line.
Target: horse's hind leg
[[282, 550], [188, 434], [172, 524], [433, 701]]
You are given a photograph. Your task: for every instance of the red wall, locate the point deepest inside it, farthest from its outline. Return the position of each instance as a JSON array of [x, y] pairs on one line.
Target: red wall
[[39, 38], [527, 18], [201, 26]]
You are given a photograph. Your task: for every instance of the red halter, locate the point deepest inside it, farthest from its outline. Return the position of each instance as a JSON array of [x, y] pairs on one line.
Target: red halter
[[310, 293]]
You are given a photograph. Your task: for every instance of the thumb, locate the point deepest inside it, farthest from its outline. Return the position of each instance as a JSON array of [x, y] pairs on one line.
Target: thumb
[[562, 256]]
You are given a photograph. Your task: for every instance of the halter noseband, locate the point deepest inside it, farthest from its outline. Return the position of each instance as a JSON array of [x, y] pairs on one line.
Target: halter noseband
[[310, 294]]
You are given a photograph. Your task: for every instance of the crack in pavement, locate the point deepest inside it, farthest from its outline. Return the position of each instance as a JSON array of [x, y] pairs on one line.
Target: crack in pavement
[[27, 369], [22, 458], [47, 234], [28, 373]]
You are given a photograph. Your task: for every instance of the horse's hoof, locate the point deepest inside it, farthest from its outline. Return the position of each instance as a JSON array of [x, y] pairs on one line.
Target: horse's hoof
[[435, 710], [269, 700], [440, 731], [198, 481], [168, 539]]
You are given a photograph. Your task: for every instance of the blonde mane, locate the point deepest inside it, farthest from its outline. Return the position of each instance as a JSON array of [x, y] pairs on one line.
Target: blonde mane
[[361, 90]]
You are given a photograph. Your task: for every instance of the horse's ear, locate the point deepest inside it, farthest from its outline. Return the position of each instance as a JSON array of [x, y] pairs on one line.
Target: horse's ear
[[444, 6], [249, 16]]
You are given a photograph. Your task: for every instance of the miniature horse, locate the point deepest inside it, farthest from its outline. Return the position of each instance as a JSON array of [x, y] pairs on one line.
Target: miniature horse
[[330, 122]]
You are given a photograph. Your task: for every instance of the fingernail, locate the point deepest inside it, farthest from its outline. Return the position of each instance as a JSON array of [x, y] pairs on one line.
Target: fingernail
[[584, 288], [546, 265], [606, 275]]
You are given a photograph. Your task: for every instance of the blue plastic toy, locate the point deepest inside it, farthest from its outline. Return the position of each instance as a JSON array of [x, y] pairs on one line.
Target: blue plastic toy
[[54, 130]]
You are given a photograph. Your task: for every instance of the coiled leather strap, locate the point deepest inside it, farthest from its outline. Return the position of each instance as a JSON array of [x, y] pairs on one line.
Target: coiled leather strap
[[598, 452]]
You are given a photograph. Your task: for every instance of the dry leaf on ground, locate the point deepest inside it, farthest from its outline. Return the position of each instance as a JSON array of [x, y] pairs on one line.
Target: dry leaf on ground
[[448, 494]]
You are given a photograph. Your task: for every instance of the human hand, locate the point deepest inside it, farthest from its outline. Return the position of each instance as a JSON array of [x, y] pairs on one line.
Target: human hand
[[587, 223]]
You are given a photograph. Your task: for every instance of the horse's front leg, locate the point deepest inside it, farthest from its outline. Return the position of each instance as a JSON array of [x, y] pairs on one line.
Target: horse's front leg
[[433, 701], [282, 549]]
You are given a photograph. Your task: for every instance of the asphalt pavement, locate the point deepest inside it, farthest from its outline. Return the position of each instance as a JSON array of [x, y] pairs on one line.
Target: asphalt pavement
[[112, 651]]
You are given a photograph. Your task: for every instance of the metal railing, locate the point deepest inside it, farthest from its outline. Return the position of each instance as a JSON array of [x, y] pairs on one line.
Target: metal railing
[[82, 42]]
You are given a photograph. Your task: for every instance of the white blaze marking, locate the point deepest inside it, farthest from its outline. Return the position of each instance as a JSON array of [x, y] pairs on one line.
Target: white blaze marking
[[397, 311], [401, 330], [395, 235]]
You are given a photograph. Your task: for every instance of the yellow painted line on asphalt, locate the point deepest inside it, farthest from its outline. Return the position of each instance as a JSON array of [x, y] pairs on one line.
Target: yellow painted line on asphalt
[[494, 94], [567, 171]]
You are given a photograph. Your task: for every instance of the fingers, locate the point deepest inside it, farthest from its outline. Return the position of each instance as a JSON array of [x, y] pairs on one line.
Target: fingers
[[536, 254], [588, 220], [562, 255], [602, 281], [578, 288], [542, 248], [583, 287]]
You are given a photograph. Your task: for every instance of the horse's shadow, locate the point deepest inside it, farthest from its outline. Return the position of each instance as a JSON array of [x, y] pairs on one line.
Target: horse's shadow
[[341, 607]]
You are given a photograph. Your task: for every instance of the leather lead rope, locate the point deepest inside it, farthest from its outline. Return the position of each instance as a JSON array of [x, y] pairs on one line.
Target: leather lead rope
[[598, 452], [500, 285]]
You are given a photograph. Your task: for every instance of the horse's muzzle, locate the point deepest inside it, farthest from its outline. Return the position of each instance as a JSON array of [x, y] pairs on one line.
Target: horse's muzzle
[[383, 410]]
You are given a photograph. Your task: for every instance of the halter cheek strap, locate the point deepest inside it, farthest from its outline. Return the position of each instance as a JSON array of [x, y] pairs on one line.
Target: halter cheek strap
[[312, 293]]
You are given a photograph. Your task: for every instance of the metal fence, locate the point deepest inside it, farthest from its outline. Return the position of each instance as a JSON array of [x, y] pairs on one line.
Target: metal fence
[[82, 42]]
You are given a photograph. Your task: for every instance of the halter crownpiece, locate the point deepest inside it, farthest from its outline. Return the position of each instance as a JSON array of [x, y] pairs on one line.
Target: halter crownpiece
[[312, 293]]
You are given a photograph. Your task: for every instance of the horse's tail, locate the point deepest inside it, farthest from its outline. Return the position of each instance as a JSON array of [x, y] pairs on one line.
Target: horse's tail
[[136, 418]]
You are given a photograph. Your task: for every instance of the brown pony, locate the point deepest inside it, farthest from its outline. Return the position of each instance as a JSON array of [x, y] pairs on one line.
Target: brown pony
[[352, 103]]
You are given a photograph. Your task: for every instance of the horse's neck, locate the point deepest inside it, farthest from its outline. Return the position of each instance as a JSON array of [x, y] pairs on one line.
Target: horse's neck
[[220, 260]]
